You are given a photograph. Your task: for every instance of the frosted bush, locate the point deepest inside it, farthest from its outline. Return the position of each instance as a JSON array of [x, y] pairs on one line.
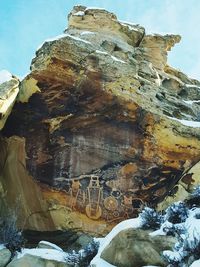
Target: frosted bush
[[151, 219], [177, 213]]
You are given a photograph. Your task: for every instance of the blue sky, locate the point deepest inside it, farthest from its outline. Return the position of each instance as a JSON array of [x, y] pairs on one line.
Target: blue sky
[[25, 24]]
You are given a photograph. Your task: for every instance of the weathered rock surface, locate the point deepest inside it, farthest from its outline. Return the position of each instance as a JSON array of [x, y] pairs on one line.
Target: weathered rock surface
[[102, 126], [136, 248], [9, 88], [5, 256]]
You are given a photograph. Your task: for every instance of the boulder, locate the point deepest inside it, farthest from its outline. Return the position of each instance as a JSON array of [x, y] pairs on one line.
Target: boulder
[[40, 258], [136, 248], [5, 256], [82, 241]]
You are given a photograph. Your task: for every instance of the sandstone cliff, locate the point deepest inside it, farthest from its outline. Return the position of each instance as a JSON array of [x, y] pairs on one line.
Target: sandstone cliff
[[102, 125]]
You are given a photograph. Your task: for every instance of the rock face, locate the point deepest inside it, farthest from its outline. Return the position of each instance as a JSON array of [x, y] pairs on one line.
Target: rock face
[[136, 248], [102, 126]]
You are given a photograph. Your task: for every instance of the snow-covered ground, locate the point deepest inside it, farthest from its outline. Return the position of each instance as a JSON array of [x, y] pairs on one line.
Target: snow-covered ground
[[195, 264]]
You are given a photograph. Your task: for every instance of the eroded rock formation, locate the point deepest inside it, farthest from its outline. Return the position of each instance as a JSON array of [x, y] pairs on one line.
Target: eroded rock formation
[[102, 125], [9, 88]]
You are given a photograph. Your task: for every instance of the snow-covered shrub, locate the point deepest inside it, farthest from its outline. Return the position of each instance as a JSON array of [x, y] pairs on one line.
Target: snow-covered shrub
[[185, 252], [151, 219], [10, 235], [89, 252], [73, 258], [173, 229], [187, 249], [191, 247], [177, 213], [197, 215], [194, 199], [84, 256], [173, 258]]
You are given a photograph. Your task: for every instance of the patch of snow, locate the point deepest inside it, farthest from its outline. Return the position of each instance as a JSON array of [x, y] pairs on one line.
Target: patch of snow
[[74, 37], [190, 102], [2, 246], [50, 244], [161, 34], [48, 254], [118, 60], [195, 264], [194, 124], [131, 26], [99, 262], [5, 76], [87, 33], [127, 22], [64, 35], [79, 13], [93, 7], [157, 232], [114, 58], [192, 85], [158, 80], [101, 52], [131, 223]]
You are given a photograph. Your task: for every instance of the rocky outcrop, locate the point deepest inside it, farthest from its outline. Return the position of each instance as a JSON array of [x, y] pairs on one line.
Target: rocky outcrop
[[102, 126], [9, 88], [136, 248]]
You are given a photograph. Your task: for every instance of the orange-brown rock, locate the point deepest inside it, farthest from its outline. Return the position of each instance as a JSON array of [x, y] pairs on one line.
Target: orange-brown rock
[[105, 126]]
